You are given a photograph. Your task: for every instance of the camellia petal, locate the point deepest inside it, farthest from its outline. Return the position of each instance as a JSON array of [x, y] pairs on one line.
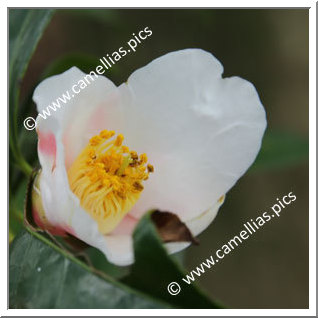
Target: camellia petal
[[63, 210], [80, 117], [199, 130]]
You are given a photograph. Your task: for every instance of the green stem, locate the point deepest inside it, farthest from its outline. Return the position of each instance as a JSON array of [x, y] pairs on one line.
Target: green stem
[[18, 158]]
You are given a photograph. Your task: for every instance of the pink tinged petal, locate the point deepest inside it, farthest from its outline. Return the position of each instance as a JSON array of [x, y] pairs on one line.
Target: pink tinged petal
[[106, 114], [47, 144], [47, 150], [96, 107], [39, 215], [54, 230], [37, 219]]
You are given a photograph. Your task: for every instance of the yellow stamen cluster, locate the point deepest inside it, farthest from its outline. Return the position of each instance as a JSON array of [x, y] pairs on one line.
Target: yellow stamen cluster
[[107, 178]]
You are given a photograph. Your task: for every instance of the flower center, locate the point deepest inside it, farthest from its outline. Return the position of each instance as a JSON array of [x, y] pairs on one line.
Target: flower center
[[107, 178]]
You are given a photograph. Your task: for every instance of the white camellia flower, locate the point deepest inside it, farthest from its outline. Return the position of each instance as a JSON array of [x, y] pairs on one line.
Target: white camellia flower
[[175, 137]]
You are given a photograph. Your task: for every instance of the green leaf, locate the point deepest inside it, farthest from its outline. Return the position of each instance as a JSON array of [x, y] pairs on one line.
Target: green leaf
[[16, 205], [280, 150], [154, 270], [15, 222], [41, 275], [25, 29]]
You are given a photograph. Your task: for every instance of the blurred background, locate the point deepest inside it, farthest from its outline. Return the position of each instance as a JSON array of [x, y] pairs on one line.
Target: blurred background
[[267, 47]]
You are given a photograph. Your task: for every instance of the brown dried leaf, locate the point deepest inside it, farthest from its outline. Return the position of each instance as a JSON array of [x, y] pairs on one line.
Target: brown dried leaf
[[171, 228]]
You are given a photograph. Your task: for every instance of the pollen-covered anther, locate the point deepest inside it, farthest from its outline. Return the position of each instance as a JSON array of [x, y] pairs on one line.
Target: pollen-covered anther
[[107, 178], [95, 141], [138, 186], [150, 168]]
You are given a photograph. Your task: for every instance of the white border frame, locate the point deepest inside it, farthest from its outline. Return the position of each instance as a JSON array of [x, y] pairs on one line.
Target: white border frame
[[312, 162]]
